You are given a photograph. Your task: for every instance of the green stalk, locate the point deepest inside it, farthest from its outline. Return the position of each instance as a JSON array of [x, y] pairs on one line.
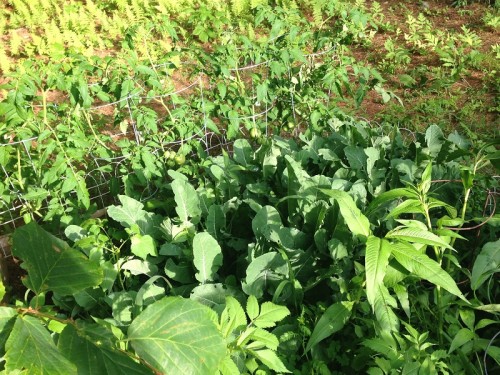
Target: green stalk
[[439, 258]]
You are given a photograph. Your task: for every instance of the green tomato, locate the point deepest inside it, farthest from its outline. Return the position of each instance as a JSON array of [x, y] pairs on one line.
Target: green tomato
[[290, 125], [255, 133], [180, 159]]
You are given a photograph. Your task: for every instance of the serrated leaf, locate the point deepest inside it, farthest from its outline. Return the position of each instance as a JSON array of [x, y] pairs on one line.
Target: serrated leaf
[[271, 360], [233, 317], [51, 263], [270, 314], [461, 338], [424, 267], [228, 367], [252, 307], [355, 220], [377, 256], [486, 263], [7, 320], [207, 256], [30, 346], [332, 320], [177, 335], [186, 199], [418, 236], [261, 338], [92, 357]]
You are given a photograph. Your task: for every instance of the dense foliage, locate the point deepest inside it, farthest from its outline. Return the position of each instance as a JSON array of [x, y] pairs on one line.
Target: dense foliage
[[349, 241], [248, 223]]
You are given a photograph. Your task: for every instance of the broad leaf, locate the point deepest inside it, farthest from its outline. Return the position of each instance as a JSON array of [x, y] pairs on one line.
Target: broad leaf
[[267, 223], [332, 320], [216, 221], [434, 138], [51, 263], [461, 338], [142, 246], [264, 270], [355, 220], [177, 335], [186, 198], [207, 257], [376, 261], [31, 347], [92, 357], [424, 267], [356, 157], [7, 319], [242, 152], [487, 263], [131, 212]]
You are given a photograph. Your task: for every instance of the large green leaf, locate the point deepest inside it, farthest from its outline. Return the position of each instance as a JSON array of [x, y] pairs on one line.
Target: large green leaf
[[7, 319], [178, 336], [207, 256], [356, 157], [355, 220], [131, 212], [422, 266], [388, 196], [419, 236], [263, 270], [187, 200], [332, 320], [487, 263], [31, 347], [216, 221], [376, 261], [435, 139], [92, 357], [383, 307], [267, 223], [51, 263]]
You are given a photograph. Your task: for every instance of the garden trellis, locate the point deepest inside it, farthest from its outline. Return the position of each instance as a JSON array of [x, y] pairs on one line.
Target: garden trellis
[[113, 138]]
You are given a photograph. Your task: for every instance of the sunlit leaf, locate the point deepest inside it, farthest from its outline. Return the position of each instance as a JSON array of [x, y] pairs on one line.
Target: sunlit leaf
[[177, 335]]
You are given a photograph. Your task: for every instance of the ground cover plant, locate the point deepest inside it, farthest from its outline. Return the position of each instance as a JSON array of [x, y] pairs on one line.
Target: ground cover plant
[[197, 196], [322, 255]]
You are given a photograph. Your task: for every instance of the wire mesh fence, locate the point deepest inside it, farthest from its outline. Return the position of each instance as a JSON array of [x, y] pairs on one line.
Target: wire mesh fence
[[200, 126]]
